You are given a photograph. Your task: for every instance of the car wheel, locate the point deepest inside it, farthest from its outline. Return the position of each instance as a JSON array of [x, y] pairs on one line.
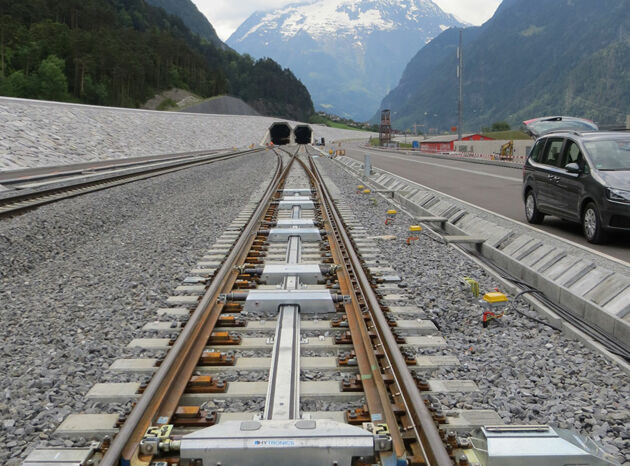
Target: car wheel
[[592, 225], [532, 213]]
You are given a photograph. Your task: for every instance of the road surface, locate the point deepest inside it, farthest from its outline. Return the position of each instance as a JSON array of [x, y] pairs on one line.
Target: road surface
[[495, 188]]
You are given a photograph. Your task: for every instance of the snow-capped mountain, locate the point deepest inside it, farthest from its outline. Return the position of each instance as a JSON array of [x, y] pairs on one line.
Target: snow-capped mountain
[[349, 53]]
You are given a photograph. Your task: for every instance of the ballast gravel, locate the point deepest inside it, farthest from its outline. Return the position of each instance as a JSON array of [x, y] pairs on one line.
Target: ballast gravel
[[79, 278], [526, 371]]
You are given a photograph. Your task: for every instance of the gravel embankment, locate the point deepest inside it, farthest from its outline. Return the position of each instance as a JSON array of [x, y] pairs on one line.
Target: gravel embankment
[[525, 371], [79, 278], [38, 134]]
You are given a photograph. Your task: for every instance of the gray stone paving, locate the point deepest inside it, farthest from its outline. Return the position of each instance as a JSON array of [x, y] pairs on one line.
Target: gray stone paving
[[37, 134]]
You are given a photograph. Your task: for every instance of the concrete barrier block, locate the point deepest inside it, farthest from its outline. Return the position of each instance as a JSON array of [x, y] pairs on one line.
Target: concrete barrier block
[[441, 207], [467, 221], [608, 289], [517, 244], [622, 330], [457, 216], [619, 306], [571, 276], [448, 213], [550, 260], [590, 281], [527, 250], [573, 303], [429, 202], [538, 256], [562, 266], [602, 320]]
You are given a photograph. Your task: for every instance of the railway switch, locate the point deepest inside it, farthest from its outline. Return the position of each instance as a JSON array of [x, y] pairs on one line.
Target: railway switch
[[284, 442]]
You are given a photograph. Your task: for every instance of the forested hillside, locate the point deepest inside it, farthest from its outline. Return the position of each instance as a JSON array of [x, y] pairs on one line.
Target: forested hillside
[[533, 58], [192, 18], [121, 52]]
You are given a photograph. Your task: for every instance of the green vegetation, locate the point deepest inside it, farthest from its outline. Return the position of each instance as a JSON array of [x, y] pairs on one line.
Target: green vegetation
[[121, 52], [192, 18], [333, 121], [506, 134], [497, 126], [166, 104]]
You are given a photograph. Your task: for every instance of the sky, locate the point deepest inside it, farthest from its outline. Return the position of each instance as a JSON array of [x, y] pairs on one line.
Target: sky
[[227, 15]]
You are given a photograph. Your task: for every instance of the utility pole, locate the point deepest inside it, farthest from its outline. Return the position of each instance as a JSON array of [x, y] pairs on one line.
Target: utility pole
[[460, 75]]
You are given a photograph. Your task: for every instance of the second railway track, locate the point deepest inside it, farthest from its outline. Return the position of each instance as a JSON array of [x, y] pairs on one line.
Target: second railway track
[[28, 191]]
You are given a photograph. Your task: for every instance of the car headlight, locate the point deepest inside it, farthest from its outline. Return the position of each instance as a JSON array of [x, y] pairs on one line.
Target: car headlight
[[618, 195]]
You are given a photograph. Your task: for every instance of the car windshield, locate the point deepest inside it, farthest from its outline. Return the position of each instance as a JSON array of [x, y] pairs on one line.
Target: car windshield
[[610, 154]]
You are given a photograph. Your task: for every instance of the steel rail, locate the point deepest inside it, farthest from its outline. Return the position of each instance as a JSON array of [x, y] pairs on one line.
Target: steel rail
[[17, 200], [376, 395], [168, 383], [422, 421]]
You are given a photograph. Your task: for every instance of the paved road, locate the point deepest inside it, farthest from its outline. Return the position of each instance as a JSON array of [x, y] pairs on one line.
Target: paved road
[[495, 188]]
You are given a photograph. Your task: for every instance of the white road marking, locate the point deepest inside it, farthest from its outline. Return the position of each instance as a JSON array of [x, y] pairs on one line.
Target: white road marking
[[476, 172]]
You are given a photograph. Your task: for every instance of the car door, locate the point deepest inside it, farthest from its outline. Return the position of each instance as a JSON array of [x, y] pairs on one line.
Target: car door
[[547, 176], [570, 185]]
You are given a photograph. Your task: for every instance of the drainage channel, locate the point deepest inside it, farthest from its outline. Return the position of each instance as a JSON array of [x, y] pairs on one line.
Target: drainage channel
[[282, 350]]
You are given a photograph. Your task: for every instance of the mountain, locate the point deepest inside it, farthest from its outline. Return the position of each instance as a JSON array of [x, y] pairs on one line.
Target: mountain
[[532, 58], [192, 18], [122, 52], [349, 53]]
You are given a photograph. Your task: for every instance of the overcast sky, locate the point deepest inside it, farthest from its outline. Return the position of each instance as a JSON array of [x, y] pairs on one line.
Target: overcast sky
[[227, 15]]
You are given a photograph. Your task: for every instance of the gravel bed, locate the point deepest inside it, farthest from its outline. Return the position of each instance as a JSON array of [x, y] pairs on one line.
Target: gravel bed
[[525, 371], [254, 405], [261, 375], [311, 405], [79, 279]]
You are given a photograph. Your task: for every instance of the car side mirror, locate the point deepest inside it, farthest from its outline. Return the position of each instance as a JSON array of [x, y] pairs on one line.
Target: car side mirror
[[573, 168]]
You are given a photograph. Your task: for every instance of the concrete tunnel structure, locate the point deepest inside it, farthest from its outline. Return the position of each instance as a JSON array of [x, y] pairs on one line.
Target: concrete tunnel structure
[[303, 134], [280, 133]]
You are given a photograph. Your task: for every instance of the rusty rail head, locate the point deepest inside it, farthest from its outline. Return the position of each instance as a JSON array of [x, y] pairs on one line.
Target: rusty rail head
[[192, 340], [426, 431]]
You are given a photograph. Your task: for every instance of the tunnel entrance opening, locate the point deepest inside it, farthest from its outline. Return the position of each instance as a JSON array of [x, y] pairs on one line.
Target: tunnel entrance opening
[[303, 134], [280, 134]]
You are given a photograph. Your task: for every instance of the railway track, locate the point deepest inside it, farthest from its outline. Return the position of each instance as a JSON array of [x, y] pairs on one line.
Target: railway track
[[284, 298], [25, 192]]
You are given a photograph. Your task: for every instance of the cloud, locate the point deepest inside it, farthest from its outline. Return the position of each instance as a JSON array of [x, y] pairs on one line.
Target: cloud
[[227, 15], [471, 11]]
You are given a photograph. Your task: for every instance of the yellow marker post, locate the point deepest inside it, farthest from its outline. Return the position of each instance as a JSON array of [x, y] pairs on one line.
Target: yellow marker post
[[413, 230], [391, 215], [493, 302]]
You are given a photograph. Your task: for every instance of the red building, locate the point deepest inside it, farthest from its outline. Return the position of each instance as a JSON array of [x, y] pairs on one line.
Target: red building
[[446, 142]]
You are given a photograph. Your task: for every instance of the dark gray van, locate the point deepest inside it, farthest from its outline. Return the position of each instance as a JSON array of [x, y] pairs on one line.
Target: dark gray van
[[580, 174]]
